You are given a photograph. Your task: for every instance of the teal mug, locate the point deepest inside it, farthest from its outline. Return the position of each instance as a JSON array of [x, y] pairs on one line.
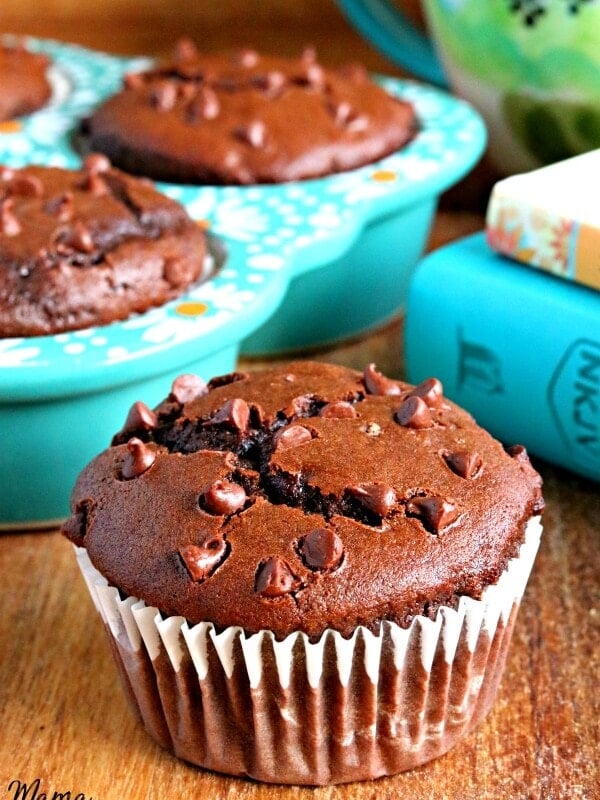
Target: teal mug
[[531, 67]]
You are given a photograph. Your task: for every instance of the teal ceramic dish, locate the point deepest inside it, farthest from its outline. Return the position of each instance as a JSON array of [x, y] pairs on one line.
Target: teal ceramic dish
[[350, 240], [62, 397]]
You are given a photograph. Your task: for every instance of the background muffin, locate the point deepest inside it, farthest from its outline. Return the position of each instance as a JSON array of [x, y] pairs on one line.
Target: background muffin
[[340, 556], [247, 118], [87, 247], [24, 82]]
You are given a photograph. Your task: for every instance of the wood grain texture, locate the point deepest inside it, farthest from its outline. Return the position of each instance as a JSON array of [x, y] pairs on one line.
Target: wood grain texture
[[63, 717]]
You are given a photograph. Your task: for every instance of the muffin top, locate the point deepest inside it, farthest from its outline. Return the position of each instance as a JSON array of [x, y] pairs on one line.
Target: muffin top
[[25, 87], [86, 247], [303, 498], [246, 118]]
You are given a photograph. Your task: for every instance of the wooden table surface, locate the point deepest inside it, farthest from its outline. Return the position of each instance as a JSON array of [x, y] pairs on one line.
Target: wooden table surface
[[63, 718]]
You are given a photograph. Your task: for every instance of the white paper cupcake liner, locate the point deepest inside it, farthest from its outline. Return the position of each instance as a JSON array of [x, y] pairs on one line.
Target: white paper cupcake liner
[[302, 712]]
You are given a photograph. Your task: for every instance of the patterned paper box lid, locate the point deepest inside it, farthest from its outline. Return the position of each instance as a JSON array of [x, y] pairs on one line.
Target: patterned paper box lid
[[550, 218]]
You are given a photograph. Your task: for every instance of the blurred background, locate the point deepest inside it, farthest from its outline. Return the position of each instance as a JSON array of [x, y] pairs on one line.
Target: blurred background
[[132, 27], [150, 27]]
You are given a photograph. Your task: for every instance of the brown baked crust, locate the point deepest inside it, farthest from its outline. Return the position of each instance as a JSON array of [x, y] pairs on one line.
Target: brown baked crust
[[246, 118], [265, 502], [86, 247], [25, 87]]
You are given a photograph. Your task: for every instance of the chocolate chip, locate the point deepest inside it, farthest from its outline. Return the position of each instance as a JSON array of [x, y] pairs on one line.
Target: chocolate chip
[[315, 76], [357, 123], [201, 560], [463, 463], [254, 133], [271, 83], [414, 413], [341, 112], [338, 410], [434, 513], [9, 224], [25, 186], [235, 413], [246, 58], [432, 392], [95, 185], [74, 237], [164, 95], [299, 406], [205, 105], [225, 380], [78, 524], [223, 498], [96, 163], [188, 387], [232, 159], [61, 207], [292, 436], [308, 55], [138, 459], [95, 166], [185, 49], [140, 418], [322, 549], [375, 497], [134, 81], [210, 103], [376, 383], [518, 452], [274, 578]]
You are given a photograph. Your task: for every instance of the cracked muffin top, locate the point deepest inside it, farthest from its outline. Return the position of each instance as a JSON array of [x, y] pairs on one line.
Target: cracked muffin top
[[247, 118], [24, 82], [87, 247], [303, 498]]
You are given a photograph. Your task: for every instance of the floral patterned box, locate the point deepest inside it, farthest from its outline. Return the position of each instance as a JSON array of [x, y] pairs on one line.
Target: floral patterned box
[[550, 218]]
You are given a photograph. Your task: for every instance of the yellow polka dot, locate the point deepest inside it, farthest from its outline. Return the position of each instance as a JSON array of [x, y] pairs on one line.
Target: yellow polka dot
[[203, 223], [191, 309], [384, 175], [10, 126]]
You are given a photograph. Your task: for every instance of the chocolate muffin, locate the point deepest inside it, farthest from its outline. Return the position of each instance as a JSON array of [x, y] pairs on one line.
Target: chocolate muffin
[[246, 118], [341, 556], [86, 247], [24, 82]]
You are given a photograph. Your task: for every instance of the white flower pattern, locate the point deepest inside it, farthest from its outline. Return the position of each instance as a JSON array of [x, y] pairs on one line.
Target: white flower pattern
[[14, 353]]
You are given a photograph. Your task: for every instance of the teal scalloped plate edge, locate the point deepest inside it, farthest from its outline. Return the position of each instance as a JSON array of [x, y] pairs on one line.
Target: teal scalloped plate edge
[[270, 232]]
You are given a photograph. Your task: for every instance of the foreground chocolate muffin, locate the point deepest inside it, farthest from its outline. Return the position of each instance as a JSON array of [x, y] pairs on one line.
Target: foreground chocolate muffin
[[312, 574], [86, 247], [23, 81], [247, 118]]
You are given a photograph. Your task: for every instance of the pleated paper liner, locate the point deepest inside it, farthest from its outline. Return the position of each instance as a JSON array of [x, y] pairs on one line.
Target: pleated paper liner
[[302, 712]]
